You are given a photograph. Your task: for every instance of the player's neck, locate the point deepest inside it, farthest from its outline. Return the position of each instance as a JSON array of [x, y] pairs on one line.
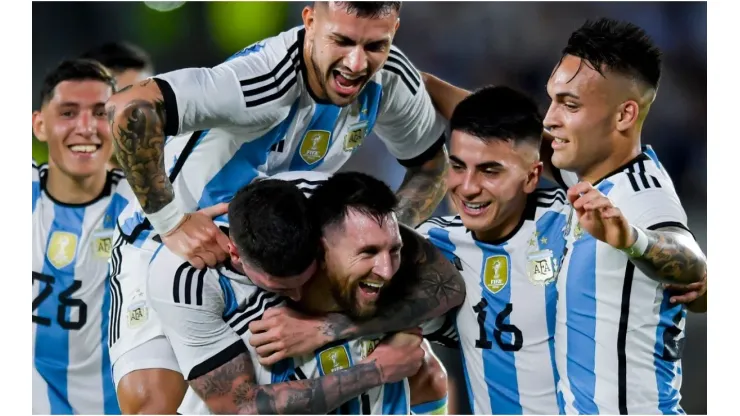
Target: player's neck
[[507, 225], [616, 159], [69, 190], [316, 298]]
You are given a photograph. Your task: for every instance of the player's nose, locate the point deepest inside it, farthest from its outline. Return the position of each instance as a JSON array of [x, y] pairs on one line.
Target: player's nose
[[470, 186], [383, 267], [86, 124], [552, 118], [356, 60]]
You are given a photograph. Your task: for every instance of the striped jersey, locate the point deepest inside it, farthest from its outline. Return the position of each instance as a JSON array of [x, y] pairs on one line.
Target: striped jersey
[[206, 315], [256, 113], [71, 247], [618, 338], [506, 325]]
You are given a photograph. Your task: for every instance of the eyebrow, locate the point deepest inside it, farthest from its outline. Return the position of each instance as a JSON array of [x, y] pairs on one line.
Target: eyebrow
[[484, 165], [567, 95], [345, 38]]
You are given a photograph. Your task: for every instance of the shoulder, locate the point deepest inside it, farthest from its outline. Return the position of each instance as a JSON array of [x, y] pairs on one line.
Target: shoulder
[[449, 223], [398, 75]]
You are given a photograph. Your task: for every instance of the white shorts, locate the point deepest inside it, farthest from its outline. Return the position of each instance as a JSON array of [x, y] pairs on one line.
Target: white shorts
[[135, 336]]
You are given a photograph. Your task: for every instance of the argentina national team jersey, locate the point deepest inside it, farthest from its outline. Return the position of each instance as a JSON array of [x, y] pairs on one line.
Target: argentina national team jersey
[[618, 338], [71, 246], [506, 325], [255, 114]]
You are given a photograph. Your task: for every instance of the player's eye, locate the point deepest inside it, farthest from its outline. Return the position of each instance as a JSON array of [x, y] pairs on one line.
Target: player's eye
[[457, 167], [571, 106], [343, 42], [100, 113], [67, 114], [376, 47]]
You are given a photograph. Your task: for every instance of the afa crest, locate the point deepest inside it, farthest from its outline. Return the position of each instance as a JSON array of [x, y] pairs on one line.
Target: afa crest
[[496, 273], [61, 249], [368, 346], [314, 146], [102, 243], [137, 314], [355, 136], [334, 359]]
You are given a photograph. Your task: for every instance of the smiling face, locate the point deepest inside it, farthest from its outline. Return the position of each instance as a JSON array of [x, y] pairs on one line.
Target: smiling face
[[361, 257], [345, 50], [489, 181], [74, 124]]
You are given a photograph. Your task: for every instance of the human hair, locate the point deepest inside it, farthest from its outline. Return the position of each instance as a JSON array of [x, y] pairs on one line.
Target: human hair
[[333, 199], [370, 9], [120, 57], [74, 70], [271, 226], [619, 47], [499, 113]]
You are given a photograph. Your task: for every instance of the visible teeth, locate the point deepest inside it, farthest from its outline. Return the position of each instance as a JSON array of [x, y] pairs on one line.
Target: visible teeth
[[474, 206], [83, 148], [558, 140], [373, 284], [349, 77]]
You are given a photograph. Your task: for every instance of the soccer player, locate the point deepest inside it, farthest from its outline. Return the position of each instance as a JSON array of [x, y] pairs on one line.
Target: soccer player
[[302, 100], [618, 338], [269, 222], [128, 63], [75, 204], [508, 242]]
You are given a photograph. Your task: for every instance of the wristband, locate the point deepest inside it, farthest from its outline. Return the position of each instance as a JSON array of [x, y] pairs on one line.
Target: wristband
[[166, 219], [640, 246]]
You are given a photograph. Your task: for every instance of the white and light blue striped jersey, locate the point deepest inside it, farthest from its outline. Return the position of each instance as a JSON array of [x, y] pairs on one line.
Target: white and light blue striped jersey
[[618, 338], [506, 325], [255, 112], [71, 246]]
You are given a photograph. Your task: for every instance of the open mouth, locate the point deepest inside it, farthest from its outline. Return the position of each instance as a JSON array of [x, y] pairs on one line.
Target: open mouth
[[475, 207], [347, 83]]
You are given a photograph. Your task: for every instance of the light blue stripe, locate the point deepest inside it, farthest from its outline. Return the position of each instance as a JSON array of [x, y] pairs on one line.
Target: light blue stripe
[[282, 370], [116, 206], [247, 51], [156, 252], [324, 118], [666, 370], [550, 226], [110, 399], [241, 169], [230, 303], [35, 193], [369, 100], [499, 366], [394, 399], [652, 155], [52, 342], [427, 407], [580, 293]]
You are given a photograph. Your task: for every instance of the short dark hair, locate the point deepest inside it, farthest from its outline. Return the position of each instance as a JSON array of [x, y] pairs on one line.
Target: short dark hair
[[332, 200], [499, 113], [74, 70], [270, 223], [620, 47], [370, 9], [120, 57]]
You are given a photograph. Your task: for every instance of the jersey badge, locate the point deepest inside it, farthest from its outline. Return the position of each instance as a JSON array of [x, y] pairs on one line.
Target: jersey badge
[[540, 267], [137, 312], [102, 243], [367, 347], [496, 273], [61, 249], [355, 136], [334, 359], [314, 146]]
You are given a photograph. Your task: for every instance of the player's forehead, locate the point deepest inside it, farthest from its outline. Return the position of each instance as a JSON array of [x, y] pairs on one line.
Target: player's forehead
[[472, 151], [337, 20], [81, 92], [576, 77], [361, 229]]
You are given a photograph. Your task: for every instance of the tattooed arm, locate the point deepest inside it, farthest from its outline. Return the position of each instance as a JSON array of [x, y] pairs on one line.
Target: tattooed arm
[[672, 256], [426, 286], [423, 188], [232, 389]]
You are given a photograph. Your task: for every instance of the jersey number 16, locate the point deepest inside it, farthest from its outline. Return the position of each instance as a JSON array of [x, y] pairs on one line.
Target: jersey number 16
[[501, 327]]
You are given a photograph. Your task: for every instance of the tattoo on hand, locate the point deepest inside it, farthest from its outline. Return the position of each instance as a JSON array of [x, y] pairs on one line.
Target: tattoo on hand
[[138, 137], [670, 259]]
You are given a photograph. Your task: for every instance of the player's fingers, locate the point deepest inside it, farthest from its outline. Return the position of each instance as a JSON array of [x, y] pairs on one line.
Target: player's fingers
[[223, 243], [258, 327], [597, 203], [610, 212], [209, 258], [684, 288], [575, 191], [685, 298], [196, 262], [215, 210], [266, 350], [272, 312], [272, 359]]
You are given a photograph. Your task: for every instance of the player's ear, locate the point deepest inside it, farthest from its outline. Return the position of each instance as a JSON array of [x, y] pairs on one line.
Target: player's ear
[[38, 126], [533, 177], [234, 253], [627, 115], [308, 18]]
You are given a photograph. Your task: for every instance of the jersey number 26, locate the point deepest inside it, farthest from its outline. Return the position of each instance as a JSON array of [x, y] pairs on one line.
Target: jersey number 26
[[65, 301]]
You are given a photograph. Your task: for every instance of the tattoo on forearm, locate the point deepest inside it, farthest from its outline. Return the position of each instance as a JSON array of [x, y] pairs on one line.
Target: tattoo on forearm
[[671, 258], [232, 389], [138, 137], [422, 190], [429, 286]]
